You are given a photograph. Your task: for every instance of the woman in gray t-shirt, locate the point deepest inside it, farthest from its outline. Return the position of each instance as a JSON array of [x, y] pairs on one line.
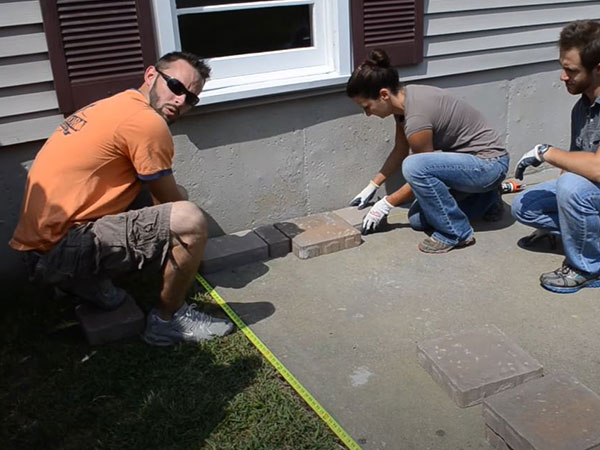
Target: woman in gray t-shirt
[[457, 162]]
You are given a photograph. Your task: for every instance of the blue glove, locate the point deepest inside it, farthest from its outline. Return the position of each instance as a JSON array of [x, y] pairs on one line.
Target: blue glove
[[533, 157], [364, 196], [379, 210]]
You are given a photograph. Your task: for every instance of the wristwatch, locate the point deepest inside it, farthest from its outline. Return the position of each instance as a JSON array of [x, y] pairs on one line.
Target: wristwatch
[[542, 148]]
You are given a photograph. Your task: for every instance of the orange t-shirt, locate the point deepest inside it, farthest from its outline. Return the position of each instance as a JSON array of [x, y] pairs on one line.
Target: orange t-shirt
[[92, 165]]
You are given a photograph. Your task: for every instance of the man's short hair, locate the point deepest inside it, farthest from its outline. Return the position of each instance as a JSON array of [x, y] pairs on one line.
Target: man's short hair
[[584, 35], [201, 67]]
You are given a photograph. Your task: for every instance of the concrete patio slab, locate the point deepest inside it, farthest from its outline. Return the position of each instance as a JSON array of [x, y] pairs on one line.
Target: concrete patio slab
[[346, 324]]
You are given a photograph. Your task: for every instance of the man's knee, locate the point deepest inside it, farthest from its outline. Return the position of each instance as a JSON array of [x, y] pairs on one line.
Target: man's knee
[[187, 220], [571, 189]]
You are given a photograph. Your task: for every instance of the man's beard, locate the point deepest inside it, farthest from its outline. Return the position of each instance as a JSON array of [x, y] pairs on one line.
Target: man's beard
[[153, 98]]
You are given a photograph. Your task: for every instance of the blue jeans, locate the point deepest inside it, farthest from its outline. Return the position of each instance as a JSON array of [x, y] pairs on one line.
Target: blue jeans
[[450, 189], [569, 206]]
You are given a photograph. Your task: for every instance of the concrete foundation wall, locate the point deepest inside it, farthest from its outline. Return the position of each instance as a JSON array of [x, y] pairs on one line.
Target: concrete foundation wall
[[261, 164]]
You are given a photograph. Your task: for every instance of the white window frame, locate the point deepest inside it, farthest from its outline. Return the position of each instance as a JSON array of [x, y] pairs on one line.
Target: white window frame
[[326, 63]]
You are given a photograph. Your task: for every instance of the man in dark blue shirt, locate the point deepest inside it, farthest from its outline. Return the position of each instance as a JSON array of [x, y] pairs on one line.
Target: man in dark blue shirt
[[570, 205]]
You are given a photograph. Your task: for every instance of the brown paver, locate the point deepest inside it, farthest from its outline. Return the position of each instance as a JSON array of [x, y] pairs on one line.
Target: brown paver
[[556, 412], [279, 244], [477, 363], [319, 234], [101, 326], [233, 250]]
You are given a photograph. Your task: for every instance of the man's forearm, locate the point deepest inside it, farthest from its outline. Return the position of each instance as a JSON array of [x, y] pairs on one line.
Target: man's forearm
[[585, 164]]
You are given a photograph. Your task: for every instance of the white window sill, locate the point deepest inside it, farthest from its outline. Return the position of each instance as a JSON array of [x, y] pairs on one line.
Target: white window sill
[[211, 96]]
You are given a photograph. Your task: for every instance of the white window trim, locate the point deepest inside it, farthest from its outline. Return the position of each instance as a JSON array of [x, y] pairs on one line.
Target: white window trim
[[335, 71]]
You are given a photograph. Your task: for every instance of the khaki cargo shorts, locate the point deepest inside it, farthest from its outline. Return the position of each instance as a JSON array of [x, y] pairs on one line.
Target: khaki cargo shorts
[[111, 245]]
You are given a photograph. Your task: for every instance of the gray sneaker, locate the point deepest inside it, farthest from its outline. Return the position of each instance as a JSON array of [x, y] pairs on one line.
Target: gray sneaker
[[187, 325], [101, 292], [567, 279]]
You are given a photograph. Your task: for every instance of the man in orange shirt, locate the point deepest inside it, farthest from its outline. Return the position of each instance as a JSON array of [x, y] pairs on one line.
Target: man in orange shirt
[[75, 228]]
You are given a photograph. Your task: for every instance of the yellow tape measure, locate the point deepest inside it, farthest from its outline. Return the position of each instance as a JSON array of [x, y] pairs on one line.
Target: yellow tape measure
[[283, 371]]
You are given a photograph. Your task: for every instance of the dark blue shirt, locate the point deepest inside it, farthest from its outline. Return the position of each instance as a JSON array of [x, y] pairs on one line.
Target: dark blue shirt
[[585, 125]]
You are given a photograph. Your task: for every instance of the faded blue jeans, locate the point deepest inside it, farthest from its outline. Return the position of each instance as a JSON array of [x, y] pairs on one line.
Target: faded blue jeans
[[451, 188], [569, 206]]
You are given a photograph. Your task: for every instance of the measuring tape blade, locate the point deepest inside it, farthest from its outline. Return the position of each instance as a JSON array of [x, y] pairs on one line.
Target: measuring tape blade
[[283, 371]]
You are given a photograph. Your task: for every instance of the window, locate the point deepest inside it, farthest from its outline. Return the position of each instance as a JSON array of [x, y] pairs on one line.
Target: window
[[259, 47], [255, 47]]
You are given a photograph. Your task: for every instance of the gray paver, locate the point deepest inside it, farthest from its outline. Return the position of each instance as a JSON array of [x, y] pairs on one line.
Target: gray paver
[[101, 326], [352, 215], [355, 217], [556, 412], [233, 250], [319, 234], [477, 363], [279, 244], [495, 440]]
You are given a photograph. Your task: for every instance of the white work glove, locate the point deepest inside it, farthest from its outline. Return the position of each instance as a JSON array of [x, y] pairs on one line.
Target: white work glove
[[533, 157], [379, 210], [365, 195]]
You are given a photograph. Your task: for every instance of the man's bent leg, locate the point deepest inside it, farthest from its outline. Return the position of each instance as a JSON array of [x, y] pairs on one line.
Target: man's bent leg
[[579, 216], [188, 238], [174, 320], [537, 207]]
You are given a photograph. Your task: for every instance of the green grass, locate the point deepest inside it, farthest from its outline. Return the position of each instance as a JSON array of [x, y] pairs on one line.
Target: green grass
[[58, 392]]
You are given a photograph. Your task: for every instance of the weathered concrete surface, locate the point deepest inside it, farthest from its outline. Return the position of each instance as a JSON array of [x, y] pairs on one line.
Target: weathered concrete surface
[[346, 324]]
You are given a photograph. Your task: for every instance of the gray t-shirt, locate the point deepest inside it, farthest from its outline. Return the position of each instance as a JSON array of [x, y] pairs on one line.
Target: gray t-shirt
[[456, 125], [585, 125]]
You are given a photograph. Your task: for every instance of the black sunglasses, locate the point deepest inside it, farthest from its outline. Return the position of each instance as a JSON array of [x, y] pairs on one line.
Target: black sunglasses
[[177, 88]]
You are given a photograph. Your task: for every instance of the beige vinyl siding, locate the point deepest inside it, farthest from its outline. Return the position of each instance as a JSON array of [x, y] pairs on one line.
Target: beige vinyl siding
[[28, 104], [463, 36]]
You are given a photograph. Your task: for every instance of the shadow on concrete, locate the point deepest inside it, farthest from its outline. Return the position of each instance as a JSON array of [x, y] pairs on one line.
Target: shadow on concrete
[[548, 244], [481, 225], [251, 313], [237, 277]]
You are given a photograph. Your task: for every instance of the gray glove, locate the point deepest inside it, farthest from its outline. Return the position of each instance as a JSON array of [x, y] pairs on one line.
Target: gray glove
[[533, 157], [365, 196]]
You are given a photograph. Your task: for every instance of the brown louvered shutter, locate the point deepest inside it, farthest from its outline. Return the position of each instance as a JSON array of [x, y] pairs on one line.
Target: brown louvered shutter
[[395, 26], [97, 48]]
